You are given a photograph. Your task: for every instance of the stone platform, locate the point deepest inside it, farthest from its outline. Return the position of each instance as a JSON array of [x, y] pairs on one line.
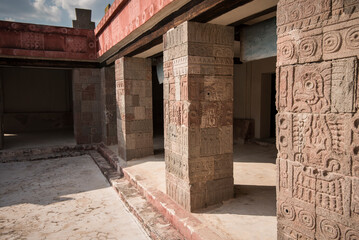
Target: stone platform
[[251, 214]]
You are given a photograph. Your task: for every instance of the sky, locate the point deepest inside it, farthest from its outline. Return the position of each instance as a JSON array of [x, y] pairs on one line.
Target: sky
[[50, 12]]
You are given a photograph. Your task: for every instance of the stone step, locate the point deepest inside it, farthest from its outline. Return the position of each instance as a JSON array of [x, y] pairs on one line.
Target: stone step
[[155, 224], [188, 225]]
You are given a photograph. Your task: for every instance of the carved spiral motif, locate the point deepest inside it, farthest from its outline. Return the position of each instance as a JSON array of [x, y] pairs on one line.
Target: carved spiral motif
[[287, 211], [309, 10], [329, 229], [287, 50], [151, 10], [352, 37], [294, 15], [281, 18], [306, 219], [32, 28], [351, 235], [331, 42], [14, 25], [64, 30], [307, 47]]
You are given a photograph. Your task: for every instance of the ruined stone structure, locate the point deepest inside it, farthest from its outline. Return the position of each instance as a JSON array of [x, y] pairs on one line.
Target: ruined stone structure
[[317, 123], [198, 102], [87, 114], [134, 107], [317, 96]]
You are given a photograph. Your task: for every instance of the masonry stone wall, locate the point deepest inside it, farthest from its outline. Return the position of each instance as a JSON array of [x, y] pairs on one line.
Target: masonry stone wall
[[318, 119], [108, 106], [134, 107], [86, 100], [198, 103]]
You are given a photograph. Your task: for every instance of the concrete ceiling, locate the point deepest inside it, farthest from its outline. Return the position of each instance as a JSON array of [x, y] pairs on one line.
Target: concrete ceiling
[[150, 52], [237, 14], [244, 11]]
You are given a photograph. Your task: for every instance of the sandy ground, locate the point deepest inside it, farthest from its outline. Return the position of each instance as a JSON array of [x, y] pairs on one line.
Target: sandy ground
[[62, 199]]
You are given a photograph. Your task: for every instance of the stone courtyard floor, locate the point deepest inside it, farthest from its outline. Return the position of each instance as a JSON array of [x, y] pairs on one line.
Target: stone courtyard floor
[[66, 198], [251, 215]]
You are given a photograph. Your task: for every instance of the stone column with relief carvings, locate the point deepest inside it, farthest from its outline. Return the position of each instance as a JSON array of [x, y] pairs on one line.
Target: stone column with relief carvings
[[134, 107], [318, 119], [108, 106], [198, 102]]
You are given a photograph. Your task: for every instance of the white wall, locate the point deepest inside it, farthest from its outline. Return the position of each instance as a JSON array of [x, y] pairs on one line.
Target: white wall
[[252, 93]]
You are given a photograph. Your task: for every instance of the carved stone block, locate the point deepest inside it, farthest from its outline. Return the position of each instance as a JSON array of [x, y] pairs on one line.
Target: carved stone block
[[322, 141], [300, 216], [223, 166], [210, 141], [284, 135], [219, 190], [301, 14], [344, 80], [134, 107], [318, 167], [311, 88], [354, 144], [300, 48], [339, 40], [209, 33], [201, 169], [199, 114]]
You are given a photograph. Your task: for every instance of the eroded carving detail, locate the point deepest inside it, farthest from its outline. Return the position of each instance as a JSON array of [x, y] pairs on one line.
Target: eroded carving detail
[[311, 90], [332, 42], [287, 211], [307, 219], [352, 37], [329, 229]]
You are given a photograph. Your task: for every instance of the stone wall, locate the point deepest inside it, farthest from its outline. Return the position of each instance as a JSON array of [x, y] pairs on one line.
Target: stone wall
[[41, 41], [134, 107], [86, 100], [318, 119], [108, 106], [198, 103]]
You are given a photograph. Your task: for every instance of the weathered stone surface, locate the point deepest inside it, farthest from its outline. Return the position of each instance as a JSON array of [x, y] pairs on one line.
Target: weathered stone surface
[[134, 107], [87, 109], [198, 106], [108, 105], [317, 123], [83, 19], [40, 41]]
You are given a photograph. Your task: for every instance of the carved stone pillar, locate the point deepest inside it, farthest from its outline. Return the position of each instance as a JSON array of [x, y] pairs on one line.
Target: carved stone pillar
[[86, 100], [318, 119], [198, 102], [108, 106], [134, 107]]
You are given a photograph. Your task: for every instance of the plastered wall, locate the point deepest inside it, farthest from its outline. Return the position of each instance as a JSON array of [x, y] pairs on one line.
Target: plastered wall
[[252, 93]]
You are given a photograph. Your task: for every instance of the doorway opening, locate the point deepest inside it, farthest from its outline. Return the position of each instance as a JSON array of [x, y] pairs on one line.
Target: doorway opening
[[157, 105], [254, 151], [37, 107]]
